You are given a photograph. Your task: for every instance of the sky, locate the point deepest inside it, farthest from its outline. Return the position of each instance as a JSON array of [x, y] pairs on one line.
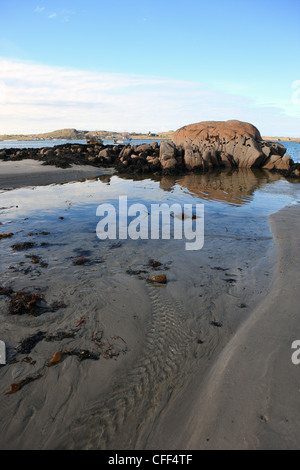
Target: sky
[[141, 65]]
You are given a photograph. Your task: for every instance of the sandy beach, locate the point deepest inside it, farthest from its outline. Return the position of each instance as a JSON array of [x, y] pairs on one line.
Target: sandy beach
[[202, 362], [15, 174], [248, 397]]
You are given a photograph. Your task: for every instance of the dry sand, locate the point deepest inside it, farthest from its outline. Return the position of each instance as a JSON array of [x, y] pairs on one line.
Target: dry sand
[[166, 378]]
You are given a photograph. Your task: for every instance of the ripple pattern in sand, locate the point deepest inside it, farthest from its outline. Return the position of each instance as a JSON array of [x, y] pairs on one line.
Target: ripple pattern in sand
[[140, 395]]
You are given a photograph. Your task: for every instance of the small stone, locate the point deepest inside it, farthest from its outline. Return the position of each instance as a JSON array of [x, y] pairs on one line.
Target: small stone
[[160, 278]]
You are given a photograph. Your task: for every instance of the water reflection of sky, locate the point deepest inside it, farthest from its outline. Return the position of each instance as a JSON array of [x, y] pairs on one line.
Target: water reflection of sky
[[238, 199]]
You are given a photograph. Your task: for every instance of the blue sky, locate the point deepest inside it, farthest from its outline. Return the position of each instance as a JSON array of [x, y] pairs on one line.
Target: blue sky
[[149, 65]]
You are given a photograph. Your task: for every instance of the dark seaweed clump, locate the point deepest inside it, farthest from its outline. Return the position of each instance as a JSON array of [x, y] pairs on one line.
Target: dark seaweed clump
[[26, 303], [23, 246], [27, 344]]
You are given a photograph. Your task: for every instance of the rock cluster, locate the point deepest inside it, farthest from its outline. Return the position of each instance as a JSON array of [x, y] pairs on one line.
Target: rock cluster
[[142, 158], [203, 146]]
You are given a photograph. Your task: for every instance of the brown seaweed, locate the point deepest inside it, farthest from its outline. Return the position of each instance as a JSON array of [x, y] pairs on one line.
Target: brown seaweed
[[55, 359], [17, 386], [6, 235], [81, 260], [26, 303], [82, 354]]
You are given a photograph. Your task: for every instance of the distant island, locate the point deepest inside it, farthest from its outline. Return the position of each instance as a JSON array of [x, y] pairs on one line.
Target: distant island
[[74, 134]]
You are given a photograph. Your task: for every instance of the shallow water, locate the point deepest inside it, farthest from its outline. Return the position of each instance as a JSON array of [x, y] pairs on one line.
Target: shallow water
[[238, 194], [166, 329]]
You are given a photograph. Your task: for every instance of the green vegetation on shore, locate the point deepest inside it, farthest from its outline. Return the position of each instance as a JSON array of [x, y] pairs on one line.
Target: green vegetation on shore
[[74, 134]]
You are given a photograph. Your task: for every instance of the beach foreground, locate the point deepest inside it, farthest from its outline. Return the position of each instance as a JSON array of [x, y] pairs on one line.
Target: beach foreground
[[249, 396], [15, 174], [114, 361]]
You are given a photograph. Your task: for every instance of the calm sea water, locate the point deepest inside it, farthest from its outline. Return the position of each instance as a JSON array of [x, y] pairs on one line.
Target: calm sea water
[[292, 148], [242, 200], [21, 144]]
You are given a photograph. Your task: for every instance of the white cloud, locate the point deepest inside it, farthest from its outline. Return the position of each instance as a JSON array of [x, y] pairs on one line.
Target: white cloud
[[39, 9], [41, 98], [63, 15]]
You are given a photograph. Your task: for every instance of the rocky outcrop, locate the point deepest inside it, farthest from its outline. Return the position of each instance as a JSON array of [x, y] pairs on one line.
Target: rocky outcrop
[[204, 146], [213, 144], [169, 155]]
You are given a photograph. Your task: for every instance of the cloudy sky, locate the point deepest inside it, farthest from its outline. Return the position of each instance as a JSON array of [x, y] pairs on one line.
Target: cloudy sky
[[144, 65]]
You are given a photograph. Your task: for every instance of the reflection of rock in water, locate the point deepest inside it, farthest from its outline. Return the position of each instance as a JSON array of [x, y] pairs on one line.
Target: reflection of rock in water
[[233, 186], [140, 394]]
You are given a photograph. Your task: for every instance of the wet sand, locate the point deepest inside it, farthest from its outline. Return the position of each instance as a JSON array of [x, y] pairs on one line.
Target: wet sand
[[31, 172], [248, 398], [196, 363]]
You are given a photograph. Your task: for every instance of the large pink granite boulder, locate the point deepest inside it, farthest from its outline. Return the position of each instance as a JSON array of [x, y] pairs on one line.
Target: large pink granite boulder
[[212, 144]]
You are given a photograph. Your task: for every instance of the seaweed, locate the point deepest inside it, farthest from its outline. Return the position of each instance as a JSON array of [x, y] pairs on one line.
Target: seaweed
[[83, 354], [60, 335], [108, 350], [26, 303], [6, 291], [81, 260], [216, 323], [230, 281], [154, 264], [23, 246], [21, 303], [55, 359], [34, 258], [6, 235], [28, 360], [135, 272], [27, 344], [115, 245], [37, 260], [17, 386]]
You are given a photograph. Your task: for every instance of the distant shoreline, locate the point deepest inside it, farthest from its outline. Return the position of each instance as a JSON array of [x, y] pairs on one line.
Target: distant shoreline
[[160, 136], [73, 134], [283, 139]]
